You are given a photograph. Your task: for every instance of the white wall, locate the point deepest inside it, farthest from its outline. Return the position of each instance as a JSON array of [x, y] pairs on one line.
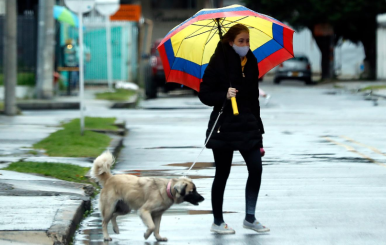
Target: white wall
[[348, 56], [304, 43], [381, 53], [381, 47]]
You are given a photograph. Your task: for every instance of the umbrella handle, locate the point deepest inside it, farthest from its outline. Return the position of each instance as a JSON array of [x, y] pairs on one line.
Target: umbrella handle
[[234, 106]]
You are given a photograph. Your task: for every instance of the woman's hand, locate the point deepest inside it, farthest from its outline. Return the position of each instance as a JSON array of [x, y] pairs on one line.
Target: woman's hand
[[262, 152], [231, 93]]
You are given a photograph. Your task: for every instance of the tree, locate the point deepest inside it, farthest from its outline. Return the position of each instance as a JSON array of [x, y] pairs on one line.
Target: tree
[[10, 58], [354, 20]]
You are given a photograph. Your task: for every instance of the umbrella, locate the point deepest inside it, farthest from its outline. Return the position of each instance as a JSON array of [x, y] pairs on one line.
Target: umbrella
[[186, 49], [62, 14]]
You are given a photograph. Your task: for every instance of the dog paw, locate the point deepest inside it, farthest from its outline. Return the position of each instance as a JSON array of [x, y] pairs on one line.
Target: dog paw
[[162, 239], [108, 239], [116, 230], [146, 235]]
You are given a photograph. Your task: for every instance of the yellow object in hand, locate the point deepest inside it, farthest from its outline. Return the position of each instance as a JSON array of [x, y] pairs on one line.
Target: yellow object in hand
[[234, 106]]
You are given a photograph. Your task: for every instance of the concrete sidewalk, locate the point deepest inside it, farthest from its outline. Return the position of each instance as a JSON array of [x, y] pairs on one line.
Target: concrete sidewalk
[[66, 102], [35, 209]]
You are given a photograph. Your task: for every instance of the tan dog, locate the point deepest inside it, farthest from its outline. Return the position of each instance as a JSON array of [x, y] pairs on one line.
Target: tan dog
[[150, 196]]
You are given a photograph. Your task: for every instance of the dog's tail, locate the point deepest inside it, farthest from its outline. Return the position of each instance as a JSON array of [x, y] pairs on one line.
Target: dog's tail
[[101, 167]]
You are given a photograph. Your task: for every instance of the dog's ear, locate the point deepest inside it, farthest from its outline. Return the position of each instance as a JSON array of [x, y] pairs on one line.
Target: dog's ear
[[180, 187]]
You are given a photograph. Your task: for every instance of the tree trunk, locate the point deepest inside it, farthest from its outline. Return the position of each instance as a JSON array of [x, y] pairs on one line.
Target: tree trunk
[[10, 58], [369, 45], [326, 47], [45, 55]]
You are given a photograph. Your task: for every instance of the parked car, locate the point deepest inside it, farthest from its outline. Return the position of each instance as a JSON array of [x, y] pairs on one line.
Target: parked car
[[297, 68], [157, 77]]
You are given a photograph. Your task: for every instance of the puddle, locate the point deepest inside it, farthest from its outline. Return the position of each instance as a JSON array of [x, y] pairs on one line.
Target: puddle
[[178, 211], [199, 165], [173, 147], [90, 229], [324, 142], [162, 173], [173, 108], [344, 159], [318, 154], [195, 212], [286, 132]]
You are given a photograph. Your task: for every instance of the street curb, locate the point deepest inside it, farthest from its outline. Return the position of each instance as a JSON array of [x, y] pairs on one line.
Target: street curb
[[115, 146], [66, 221], [343, 81], [358, 91], [69, 217], [117, 142], [120, 131], [47, 105], [378, 95], [132, 103]]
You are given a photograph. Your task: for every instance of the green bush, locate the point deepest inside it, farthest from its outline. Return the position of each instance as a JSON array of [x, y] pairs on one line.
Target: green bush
[[23, 78]]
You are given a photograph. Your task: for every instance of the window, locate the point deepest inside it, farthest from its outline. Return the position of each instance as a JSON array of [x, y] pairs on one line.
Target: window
[[300, 58], [173, 4]]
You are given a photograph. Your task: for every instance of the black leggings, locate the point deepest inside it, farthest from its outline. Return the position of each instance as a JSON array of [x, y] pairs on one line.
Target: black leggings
[[223, 162]]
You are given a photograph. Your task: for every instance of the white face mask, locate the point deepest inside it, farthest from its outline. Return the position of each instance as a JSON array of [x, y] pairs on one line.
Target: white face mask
[[242, 51]]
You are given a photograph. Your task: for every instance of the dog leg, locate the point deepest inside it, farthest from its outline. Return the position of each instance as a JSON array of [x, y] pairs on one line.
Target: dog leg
[[104, 228], [148, 221], [114, 222], [107, 214], [121, 208], [157, 222]]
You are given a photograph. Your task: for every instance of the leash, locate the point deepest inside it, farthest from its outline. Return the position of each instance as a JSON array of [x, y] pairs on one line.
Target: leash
[[233, 101], [203, 148]]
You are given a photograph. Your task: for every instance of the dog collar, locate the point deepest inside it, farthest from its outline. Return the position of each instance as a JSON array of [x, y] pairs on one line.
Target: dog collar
[[168, 190]]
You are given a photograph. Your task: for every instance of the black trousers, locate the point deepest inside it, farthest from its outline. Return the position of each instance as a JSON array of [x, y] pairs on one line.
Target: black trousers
[[223, 161]]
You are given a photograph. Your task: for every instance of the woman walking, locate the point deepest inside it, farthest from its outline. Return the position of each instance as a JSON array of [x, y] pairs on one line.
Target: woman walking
[[233, 62]]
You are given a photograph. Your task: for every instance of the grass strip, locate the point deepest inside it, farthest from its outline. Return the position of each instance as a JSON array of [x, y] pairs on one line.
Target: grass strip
[[117, 95], [63, 171], [374, 87], [68, 142]]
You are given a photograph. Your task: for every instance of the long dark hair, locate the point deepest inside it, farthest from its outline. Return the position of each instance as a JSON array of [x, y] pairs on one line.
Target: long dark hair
[[233, 32]]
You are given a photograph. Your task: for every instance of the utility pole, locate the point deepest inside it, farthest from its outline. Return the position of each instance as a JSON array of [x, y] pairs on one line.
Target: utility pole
[[10, 58], [45, 55]]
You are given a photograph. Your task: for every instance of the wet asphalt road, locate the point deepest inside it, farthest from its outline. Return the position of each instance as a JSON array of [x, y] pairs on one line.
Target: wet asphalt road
[[323, 179]]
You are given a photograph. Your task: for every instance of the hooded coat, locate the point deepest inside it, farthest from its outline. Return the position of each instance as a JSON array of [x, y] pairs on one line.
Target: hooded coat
[[242, 132]]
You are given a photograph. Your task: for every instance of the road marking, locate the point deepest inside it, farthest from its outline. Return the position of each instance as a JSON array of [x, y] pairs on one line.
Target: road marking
[[358, 143], [349, 148]]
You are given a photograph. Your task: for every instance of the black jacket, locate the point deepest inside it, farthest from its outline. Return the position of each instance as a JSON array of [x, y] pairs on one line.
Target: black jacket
[[244, 131]]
